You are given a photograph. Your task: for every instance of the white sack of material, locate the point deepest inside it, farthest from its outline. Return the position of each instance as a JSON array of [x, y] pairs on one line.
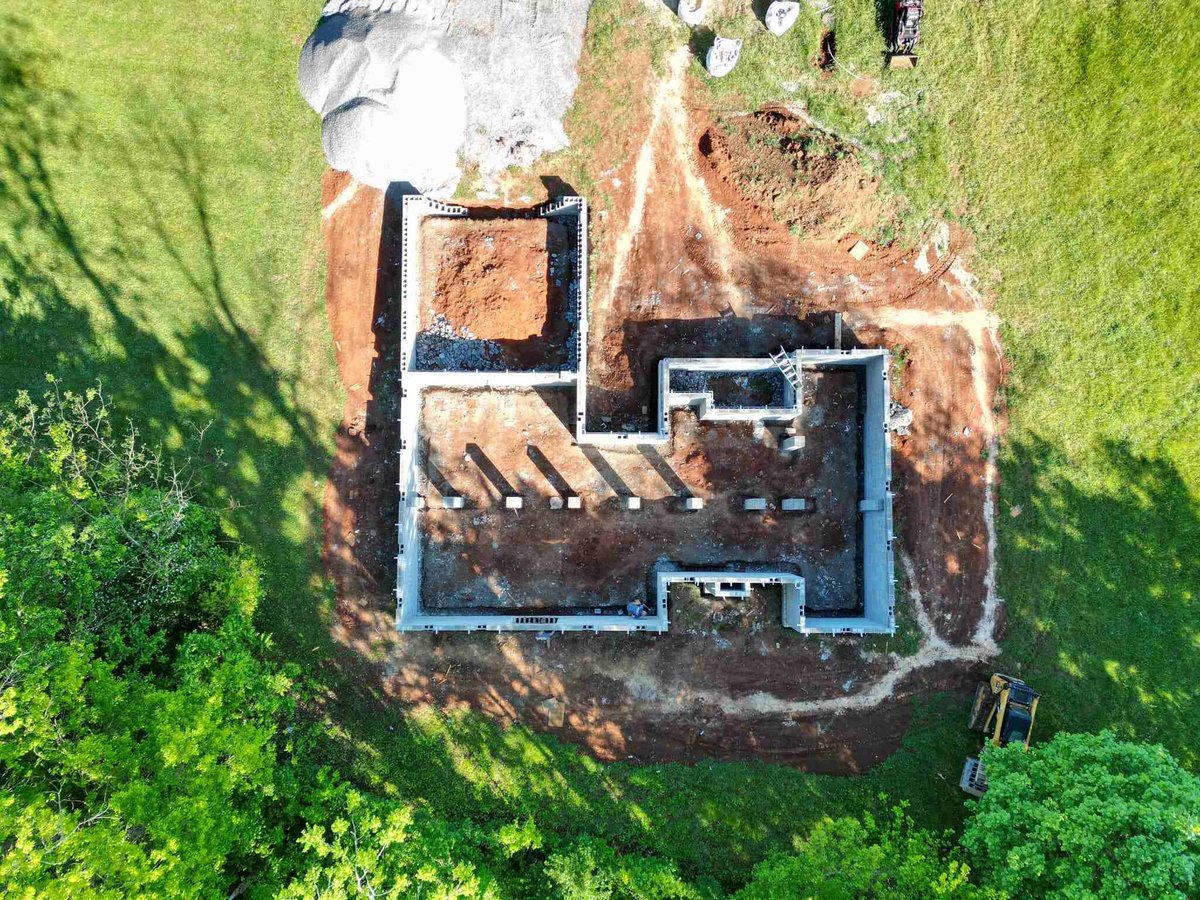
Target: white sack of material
[[393, 105], [691, 11], [781, 16], [485, 81], [722, 56]]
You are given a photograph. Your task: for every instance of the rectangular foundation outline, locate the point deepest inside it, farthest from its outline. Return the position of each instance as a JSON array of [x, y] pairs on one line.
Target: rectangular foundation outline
[[878, 567]]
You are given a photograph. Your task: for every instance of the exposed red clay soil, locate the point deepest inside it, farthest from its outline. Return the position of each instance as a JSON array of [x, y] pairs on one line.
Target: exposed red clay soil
[[495, 292], [491, 276], [800, 177], [705, 268], [485, 445]]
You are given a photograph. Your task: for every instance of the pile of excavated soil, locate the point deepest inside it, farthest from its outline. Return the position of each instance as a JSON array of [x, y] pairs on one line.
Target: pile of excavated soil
[[801, 177], [494, 280]]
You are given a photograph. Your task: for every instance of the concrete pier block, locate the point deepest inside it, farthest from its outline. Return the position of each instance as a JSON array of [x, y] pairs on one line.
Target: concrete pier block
[[693, 503], [755, 504], [794, 504], [513, 502], [451, 502], [792, 444], [574, 503], [633, 502]]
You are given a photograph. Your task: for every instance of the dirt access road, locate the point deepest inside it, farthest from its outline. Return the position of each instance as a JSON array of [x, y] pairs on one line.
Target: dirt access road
[[688, 246]]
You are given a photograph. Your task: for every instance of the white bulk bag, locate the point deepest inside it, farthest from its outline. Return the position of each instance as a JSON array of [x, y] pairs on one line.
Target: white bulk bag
[[722, 56], [781, 16]]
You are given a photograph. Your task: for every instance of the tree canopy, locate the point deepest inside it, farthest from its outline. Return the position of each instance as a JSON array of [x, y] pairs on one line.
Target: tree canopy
[[1087, 815], [845, 859]]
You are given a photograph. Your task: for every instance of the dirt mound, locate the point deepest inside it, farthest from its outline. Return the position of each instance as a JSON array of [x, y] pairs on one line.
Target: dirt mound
[[800, 177], [494, 280]]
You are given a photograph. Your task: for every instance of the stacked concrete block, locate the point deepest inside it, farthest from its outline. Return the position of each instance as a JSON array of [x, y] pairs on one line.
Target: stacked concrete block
[[633, 502], [792, 443], [574, 503], [513, 502], [556, 502], [693, 504]]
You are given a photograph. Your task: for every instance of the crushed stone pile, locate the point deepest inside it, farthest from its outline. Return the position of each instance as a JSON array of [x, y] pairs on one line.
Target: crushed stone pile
[[408, 89]]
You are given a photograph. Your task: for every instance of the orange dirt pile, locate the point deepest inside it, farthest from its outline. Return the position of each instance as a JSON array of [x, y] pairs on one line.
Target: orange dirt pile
[[492, 277], [801, 177]]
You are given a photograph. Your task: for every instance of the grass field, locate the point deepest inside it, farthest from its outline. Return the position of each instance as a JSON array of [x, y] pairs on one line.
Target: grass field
[[159, 230], [159, 212]]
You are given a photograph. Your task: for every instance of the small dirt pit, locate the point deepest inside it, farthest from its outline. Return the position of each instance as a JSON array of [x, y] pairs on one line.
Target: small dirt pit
[[801, 177], [488, 445], [495, 294]]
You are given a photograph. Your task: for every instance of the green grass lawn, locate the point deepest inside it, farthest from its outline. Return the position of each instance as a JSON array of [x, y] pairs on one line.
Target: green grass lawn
[[159, 230]]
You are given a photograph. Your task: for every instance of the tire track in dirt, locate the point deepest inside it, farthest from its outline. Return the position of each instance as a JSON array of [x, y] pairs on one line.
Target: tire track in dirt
[[643, 171], [701, 200]]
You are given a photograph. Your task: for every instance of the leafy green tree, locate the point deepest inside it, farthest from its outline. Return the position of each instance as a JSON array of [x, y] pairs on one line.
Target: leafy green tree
[[377, 848], [99, 538], [1087, 815], [139, 719], [591, 870], [847, 858], [148, 745]]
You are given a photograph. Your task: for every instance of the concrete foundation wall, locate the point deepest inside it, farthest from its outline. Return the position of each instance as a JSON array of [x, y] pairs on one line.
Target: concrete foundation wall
[[878, 576]]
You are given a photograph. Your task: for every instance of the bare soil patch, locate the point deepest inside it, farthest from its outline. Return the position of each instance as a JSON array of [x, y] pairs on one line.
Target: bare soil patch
[[485, 445], [800, 177], [499, 284]]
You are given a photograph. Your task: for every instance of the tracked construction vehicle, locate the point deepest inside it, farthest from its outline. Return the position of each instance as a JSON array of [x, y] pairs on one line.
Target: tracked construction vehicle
[[1004, 710], [906, 31]]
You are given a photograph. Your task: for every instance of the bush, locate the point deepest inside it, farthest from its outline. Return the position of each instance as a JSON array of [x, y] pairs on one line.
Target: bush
[[140, 720], [99, 539], [845, 858], [1088, 816]]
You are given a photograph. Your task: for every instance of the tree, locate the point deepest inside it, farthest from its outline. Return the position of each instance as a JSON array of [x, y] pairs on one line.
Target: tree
[[1088, 816], [847, 858], [591, 870], [140, 721], [362, 846], [100, 538]]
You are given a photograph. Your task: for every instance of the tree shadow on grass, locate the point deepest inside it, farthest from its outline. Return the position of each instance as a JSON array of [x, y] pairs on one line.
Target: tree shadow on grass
[[96, 296], [148, 297], [1101, 585]]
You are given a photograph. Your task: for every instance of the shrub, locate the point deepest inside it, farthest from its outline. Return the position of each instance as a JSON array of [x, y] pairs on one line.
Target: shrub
[[1088, 816]]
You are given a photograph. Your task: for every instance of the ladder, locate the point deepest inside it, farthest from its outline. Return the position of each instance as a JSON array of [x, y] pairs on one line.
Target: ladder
[[785, 365]]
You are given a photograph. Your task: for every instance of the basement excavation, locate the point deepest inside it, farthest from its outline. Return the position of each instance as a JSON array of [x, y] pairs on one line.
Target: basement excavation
[[767, 474]]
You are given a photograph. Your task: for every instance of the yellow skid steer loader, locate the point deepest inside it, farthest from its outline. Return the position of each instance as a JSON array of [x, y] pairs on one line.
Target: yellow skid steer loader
[[1004, 710]]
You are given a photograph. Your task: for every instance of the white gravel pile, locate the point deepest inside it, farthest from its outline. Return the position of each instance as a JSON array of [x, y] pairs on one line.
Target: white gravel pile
[[406, 88]]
